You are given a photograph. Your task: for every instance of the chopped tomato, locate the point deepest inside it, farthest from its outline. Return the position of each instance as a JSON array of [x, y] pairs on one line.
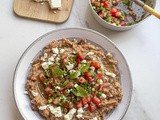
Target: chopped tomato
[[89, 79], [78, 60], [118, 14], [71, 105], [89, 98], [80, 56], [104, 85], [49, 91], [106, 4], [69, 85], [115, 2], [86, 74], [56, 101], [99, 75], [96, 100], [82, 80], [95, 64], [114, 11], [84, 101], [123, 23], [92, 107], [79, 104]]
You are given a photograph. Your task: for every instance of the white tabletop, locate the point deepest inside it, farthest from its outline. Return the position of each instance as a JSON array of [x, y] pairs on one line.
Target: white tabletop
[[140, 46]]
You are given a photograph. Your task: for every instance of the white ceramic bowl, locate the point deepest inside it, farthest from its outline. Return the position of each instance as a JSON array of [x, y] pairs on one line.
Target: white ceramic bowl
[[120, 28], [23, 101]]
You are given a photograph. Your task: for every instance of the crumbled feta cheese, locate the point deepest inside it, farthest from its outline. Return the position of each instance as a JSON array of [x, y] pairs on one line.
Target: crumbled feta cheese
[[44, 65], [62, 51], [95, 118], [71, 71], [100, 81], [34, 93], [54, 55], [57, 87], [79, 116], [110, 74], [56, 111], [57, 59], [103, 95], [83, 61], [55, 4], [26, 92], [92, 69], [80, 111], [93, 83], [86, 106], [51, 59], [45, 55], [75, 85], [90, 53], [43, 107], [70, 66], [42, 58], [55, 50], [70, 114], [50, 63], [68, 91]]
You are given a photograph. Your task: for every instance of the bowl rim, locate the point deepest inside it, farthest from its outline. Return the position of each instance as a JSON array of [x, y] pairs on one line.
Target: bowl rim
[[44, 35], [133, 25]]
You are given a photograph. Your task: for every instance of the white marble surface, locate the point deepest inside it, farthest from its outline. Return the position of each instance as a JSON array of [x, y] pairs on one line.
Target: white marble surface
[[140, 46]]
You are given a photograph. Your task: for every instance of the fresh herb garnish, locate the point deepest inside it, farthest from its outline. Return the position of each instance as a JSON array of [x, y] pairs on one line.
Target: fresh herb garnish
[[74, 75], [84, 67]]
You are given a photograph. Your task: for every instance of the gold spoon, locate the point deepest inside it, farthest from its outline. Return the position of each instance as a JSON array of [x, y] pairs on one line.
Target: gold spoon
[[145, 7]]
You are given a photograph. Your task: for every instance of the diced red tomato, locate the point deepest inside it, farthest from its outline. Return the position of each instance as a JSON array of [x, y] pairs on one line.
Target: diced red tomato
[[104, 85], [123, 23], [118, 14], [92, 107], [49, 91], [69, 85], [79, 104], [106, 4], [82, 80], [71, 105], [99, 75], [96, 100], [86, 74], [89, 98], [114, 11], [80, 56], [115, 2], [78, 60], [56, 101], [84, 101], [95, 64], [89, 79]]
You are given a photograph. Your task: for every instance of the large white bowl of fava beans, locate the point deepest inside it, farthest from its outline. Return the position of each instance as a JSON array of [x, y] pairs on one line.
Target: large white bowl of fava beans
[[24, 64], [119, 25]]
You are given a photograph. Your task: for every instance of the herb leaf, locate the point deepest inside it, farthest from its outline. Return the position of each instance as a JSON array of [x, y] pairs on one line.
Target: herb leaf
[[58, 72], [84, 67], [74, 74]]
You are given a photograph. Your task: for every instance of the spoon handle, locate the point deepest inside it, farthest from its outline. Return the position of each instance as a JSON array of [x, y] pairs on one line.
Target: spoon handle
[[152, 11], [148, 8]]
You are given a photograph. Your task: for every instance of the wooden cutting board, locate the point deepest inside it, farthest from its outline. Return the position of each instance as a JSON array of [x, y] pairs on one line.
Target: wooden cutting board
[[33, 10]]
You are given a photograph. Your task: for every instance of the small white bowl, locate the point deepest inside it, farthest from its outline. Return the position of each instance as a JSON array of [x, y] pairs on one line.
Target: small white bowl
[[120, 28]]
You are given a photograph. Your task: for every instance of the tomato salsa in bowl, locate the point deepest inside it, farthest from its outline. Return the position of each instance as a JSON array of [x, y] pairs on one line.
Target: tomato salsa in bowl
[[119, 14]]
